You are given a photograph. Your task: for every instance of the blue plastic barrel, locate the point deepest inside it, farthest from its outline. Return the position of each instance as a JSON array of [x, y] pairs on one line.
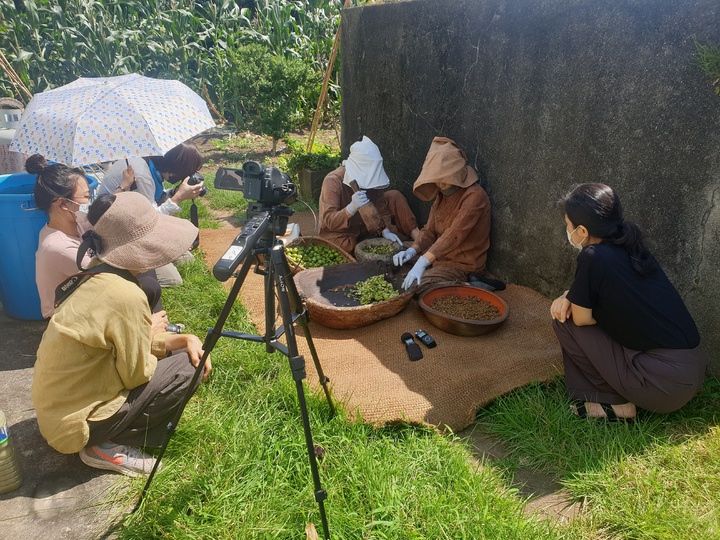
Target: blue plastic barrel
[[20, 224]]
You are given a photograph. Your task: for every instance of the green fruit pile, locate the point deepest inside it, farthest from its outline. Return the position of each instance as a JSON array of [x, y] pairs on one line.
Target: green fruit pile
[[381, 249], [313, 256], [372, 290]]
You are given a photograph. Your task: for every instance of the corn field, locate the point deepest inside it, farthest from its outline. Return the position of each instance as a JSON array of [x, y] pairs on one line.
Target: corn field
[[50, 43]]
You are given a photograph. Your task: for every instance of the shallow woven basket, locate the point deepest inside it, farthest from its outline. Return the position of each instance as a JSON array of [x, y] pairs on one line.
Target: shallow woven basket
[[313, 285], [304, 241], [362, 255]]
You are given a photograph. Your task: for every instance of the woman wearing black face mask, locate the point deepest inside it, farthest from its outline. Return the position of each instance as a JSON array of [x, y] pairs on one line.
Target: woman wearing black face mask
[[627, 338], [63, 192], [146, 176]]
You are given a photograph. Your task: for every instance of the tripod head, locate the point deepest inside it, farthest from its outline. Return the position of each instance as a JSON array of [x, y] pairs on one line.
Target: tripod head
[[259, 235]]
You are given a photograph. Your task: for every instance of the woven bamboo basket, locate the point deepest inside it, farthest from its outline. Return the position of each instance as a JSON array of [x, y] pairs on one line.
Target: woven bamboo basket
[[362, 254], [330, 309], [304, 241]]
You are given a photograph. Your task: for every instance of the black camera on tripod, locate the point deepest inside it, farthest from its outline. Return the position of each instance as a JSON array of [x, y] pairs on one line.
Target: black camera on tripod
[[267, 217], [267, 185], [194, 180]]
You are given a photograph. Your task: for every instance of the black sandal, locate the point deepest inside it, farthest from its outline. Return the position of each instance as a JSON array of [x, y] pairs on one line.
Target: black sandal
[[612, 417], [581, 412]]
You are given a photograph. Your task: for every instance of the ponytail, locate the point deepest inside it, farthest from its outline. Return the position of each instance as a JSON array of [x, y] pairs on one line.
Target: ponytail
[[630, 237], [597, 207]]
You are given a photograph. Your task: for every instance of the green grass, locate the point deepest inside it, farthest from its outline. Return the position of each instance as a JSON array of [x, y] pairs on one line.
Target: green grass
[[656, 478], [707, 57], [237, 467]]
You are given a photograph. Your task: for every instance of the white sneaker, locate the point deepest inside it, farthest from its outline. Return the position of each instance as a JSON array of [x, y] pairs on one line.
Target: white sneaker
[[123, 459]]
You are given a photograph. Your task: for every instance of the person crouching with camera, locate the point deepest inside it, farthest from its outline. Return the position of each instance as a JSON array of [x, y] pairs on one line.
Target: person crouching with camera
[[180, 166], [105, 382]]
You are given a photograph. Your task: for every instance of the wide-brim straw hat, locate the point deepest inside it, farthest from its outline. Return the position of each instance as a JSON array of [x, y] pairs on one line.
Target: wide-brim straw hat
[[135, 236], [365, 165], [445, 163]]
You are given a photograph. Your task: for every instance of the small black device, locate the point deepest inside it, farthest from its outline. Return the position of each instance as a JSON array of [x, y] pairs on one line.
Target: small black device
[[194, 180], [413, 350], [426, 338], [250, 234], [174, 328]]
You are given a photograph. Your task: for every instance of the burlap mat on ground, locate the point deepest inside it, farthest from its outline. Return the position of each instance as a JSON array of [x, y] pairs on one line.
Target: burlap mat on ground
[[369, 369]]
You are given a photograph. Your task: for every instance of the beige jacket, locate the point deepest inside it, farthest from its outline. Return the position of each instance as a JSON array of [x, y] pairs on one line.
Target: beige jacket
[[95, 349]]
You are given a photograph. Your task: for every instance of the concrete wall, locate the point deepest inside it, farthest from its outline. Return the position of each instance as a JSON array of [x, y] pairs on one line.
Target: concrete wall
[[544, 94]]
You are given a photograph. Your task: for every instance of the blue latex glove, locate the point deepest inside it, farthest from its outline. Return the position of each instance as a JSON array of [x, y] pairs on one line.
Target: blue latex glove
[[416, 273], [359, 199], [404, 256], [388, 235]]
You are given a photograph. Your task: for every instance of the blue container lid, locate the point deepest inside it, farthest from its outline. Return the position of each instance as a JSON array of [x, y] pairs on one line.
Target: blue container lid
[[24, 184]]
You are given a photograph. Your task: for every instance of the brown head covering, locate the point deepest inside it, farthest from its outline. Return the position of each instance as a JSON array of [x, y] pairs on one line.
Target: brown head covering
[[135, 236], [446, 163]]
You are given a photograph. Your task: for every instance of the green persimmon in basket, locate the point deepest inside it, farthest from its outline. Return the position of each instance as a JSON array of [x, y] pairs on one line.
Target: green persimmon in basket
[[314, 255]]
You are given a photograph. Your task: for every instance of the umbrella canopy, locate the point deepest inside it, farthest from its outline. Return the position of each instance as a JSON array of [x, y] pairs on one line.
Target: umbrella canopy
[[93, 120]]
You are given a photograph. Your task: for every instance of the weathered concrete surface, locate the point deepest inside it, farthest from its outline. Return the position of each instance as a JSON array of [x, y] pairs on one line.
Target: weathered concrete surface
[[543, 95], [60, 498]]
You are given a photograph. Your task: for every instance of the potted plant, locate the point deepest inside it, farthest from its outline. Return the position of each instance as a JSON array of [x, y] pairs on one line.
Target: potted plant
[[308, 169]]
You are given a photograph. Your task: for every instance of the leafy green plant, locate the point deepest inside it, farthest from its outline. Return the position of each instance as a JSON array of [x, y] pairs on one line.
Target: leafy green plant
[[707, 56], [321, 157], [50, 43], [264, 90]]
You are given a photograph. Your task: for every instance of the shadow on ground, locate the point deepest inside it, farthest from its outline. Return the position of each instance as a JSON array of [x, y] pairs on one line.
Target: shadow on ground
[[60, 497], [545, 498]]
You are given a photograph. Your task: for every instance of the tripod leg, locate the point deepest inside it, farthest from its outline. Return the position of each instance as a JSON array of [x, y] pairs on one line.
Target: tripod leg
[[297, 307], [297, 366], [209, 344]]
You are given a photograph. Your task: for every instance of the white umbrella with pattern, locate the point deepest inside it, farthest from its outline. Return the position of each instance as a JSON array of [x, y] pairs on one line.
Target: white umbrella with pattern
[[93, 120]]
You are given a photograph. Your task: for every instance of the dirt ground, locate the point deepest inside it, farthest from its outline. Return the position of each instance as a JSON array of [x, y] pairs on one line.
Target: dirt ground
[[221, 146]]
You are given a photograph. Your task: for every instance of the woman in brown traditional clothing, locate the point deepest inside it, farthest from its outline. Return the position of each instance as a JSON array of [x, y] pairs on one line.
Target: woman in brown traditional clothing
[[340, 221], [456, 238], [627, 338]]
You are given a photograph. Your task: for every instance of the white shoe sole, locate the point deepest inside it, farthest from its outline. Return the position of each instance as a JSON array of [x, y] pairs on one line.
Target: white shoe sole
[[99, 463]]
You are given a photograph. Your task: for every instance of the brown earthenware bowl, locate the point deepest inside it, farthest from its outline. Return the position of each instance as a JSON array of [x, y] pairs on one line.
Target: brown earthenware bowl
[[456, 325]]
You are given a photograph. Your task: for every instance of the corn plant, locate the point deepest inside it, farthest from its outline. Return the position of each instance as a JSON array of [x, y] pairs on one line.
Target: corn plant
[[50, 43]]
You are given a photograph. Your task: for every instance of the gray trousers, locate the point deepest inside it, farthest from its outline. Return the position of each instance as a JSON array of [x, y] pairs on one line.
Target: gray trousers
[[143, 418], [600, 370]]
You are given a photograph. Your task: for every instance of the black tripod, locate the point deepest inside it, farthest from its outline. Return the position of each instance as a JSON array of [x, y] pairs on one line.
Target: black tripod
[[259, 239]]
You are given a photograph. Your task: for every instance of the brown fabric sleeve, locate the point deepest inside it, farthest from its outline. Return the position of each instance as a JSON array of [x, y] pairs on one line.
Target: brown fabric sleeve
[[333, 200], [458, 230]]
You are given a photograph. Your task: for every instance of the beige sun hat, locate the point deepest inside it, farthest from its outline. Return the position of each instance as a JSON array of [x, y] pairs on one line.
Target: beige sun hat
[[365, 165], [445, 163], [135, 236]]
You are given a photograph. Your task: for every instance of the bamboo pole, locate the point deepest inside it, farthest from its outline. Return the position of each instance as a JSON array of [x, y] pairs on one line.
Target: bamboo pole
[[326, 83], [13, 77]]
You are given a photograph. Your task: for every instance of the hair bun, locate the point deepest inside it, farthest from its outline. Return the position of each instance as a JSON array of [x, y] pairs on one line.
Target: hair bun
[[35, 164]]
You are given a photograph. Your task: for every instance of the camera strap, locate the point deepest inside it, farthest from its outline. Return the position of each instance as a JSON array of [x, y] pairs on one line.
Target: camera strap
[[194, 220], [70, 285]]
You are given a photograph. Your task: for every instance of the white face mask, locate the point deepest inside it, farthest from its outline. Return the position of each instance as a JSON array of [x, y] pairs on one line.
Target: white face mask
[[573, 244], [81, 214]]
